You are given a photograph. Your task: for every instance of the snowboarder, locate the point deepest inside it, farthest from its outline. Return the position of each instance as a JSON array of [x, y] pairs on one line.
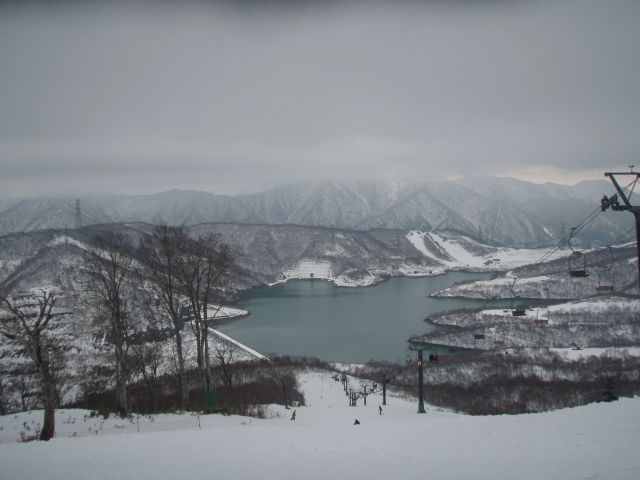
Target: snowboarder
[[293, 415], [357, 422], [380, 409]]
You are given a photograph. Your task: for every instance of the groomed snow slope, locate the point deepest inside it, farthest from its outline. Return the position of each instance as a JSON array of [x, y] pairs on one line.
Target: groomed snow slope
[[595, 441], [454, 252]]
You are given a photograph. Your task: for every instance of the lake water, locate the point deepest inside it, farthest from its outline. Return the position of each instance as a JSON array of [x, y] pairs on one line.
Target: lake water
[[337, 324]]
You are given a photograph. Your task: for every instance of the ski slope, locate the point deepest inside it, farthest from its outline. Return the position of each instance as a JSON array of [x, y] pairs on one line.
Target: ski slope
[[453, 254], [595, 441]]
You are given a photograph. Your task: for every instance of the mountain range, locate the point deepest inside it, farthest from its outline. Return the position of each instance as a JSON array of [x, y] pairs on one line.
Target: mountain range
[[495, 210]]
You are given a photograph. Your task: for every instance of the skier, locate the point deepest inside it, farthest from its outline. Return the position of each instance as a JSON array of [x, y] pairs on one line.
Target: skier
[[357, 422], [293, 415], [380, 409]]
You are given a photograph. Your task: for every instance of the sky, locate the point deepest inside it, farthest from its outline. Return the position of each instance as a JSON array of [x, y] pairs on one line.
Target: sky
[[239, 96]]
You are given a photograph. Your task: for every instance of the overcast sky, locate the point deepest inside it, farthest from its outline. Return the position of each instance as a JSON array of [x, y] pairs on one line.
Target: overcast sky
[[239, 96]]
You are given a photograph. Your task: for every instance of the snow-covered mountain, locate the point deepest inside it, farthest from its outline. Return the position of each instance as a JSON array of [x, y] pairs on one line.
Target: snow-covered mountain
[[496, 210]]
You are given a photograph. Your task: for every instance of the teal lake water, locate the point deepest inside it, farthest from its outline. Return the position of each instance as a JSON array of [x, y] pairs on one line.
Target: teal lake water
[[337, 324]]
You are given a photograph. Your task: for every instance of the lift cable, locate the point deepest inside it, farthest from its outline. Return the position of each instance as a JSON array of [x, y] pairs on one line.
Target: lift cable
[[566, 239]]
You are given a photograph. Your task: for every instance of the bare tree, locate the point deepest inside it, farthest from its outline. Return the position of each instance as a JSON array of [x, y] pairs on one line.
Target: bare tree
[[25, 385], [286, 379], [26, 322], [108, 267], [225, 357], [205, 266], [149, 359], [161, 252], [93, 382]]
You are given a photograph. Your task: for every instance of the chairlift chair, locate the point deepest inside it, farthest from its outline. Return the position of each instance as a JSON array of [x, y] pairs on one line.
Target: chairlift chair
[[577, 268], [609, 273], [516, 311]]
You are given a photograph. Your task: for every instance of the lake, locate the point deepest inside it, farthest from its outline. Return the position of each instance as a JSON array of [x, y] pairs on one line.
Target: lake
[[337, 324]]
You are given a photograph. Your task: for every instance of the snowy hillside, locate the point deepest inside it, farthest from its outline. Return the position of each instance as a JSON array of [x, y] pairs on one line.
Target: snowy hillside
[[595, 441], [500, 211], [551, 279], [599, 322], [457, 251]]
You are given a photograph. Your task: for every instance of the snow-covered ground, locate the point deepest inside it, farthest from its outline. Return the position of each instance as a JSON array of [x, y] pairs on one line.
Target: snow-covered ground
[[579, 354], [594, 441], [456, 251]]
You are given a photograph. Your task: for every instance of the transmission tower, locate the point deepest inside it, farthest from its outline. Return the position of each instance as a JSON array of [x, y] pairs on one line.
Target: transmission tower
[[614, 202], [78, 214]]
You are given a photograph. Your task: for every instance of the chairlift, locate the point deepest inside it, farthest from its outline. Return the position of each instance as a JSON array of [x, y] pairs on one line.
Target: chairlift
[[516, 311], [541, 321], [577, 260], [609, 273], [452, 348], [479, 335]]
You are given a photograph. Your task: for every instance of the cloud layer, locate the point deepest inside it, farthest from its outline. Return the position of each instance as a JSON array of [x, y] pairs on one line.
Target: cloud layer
[[243, 95]]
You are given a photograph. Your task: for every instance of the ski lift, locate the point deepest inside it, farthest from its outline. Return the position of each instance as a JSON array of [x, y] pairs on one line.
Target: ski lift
[[452, 348], [609, 284], [519, 311], [541, 321], [577, 261]]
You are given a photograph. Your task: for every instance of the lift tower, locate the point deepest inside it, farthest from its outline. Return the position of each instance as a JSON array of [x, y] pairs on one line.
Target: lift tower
[[621, 202]]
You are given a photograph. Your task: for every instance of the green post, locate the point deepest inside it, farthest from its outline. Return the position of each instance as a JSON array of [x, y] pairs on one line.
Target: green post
[[211, 402]]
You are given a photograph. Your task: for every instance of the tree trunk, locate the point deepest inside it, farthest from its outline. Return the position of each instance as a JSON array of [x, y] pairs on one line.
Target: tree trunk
[[182, 374], [207, 360], [49, 400], [122, 402], [49, 424]]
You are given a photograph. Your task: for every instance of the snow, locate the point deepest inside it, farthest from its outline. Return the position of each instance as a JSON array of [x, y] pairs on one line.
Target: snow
[[452, 245], [309, 269], [417, 240], [226, 312], [455, 250], [594, 441], [574, 354], [241, 346], [67, 240]]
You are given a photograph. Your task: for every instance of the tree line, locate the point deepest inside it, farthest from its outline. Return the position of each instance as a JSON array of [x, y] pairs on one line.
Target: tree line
[[168, 275]]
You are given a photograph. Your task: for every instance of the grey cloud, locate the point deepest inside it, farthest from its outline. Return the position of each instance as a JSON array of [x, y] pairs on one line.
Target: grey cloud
[[244, 95]]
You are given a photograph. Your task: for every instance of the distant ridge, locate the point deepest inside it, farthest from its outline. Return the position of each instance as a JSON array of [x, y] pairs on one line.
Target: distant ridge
[[498, 210]]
